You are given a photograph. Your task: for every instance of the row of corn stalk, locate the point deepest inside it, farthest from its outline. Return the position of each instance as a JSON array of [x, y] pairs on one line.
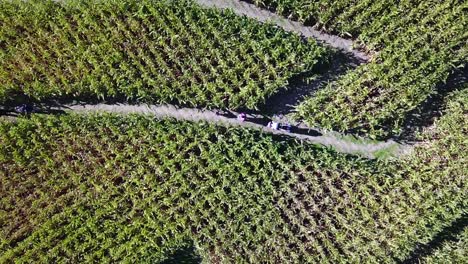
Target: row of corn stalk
[[112, 188], [419, 45], [151, 51], [376, 98]]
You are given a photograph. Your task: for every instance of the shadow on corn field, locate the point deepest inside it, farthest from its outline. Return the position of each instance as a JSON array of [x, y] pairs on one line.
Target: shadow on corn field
[[448, 234], [185, 255], [426, 113], [27, 107], [308, 83], [52, 105], [304, 84]]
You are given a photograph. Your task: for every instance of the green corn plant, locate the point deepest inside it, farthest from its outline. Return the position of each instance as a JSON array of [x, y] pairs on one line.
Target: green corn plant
[[106, 30]]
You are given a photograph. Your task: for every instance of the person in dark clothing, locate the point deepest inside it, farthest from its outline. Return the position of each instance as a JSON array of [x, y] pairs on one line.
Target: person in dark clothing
[[24, 109]]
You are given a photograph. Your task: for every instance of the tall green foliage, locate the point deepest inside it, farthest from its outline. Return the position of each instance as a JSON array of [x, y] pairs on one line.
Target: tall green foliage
[[418, 44], [452, 251], [111, 188], [152, 51]]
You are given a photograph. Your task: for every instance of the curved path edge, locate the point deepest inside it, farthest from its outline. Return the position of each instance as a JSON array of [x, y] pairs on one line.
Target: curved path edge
[[328, 139], [262, 15]]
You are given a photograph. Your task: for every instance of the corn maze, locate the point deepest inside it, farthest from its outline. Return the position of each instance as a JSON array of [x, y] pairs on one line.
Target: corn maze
[[418, 46], [115, 188], [79, 189]]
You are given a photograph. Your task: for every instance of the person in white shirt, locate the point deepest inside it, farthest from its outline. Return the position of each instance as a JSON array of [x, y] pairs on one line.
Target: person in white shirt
[[241, 117], [273, 125]]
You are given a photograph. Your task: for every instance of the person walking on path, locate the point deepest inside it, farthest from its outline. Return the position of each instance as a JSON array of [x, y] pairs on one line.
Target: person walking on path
[[242, 117], [273, 125]]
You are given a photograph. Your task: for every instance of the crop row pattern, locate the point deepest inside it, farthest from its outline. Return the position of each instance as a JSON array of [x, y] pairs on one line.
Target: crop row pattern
[[112, 188], [152, 51], [419, 44]]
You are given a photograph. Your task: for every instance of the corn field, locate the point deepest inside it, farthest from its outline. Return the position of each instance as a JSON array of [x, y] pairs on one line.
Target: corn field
[[146, 51], [419, 44], [453, 251], [111, 188], [106, 188]]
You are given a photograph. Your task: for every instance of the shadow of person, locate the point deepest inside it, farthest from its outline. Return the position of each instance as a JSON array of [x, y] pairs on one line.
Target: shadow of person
[[258, 120], [226, 114], [305, 131], [49, 111], [29, 111]]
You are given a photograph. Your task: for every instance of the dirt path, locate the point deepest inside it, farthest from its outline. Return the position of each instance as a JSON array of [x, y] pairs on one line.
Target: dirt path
[[340, 143], [250, 10], [286, 99]]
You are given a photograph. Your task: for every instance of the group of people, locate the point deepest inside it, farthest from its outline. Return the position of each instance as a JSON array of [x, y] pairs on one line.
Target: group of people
[[272, 124], [27, 109]]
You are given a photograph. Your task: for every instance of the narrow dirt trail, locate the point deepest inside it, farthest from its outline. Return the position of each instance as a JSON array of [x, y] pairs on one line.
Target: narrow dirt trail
[[333, 140], [252, 11], [288, 98], [340, 143]]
